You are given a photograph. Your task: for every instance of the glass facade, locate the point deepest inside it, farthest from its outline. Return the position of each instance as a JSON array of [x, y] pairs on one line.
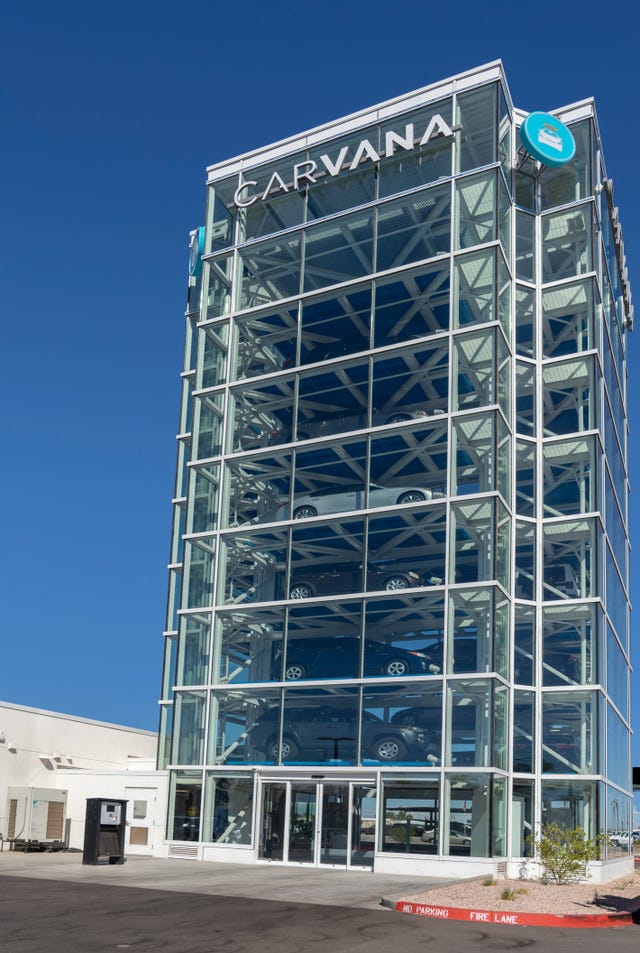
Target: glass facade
[[398, 613]]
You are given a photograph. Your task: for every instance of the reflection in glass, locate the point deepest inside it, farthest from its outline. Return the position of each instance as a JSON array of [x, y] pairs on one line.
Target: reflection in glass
[[228, 808], [569, 733], [410, 816]]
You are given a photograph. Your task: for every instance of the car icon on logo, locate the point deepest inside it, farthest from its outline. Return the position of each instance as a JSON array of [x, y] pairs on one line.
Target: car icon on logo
[[548, 135]]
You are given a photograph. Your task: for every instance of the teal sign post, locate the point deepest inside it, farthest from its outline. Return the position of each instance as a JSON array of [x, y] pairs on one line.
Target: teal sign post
[[547, 139]]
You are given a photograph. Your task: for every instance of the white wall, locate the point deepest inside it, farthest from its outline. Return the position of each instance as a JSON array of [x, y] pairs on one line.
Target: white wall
[[44, 748], [140, 781]]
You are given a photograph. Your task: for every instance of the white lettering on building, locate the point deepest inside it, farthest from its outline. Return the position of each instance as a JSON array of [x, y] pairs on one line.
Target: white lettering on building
[[307, 173]]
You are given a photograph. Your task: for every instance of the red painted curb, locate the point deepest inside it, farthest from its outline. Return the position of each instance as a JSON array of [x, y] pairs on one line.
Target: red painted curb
[[623, 919]]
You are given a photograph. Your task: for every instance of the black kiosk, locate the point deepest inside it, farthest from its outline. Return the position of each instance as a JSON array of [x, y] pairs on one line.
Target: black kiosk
[[104, 830]]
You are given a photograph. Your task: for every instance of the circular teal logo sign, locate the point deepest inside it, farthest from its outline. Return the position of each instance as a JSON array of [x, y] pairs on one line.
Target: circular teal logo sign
[[547, 139]]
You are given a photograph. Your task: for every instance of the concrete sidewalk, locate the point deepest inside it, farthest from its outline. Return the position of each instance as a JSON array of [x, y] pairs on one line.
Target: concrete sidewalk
[[357, 889]]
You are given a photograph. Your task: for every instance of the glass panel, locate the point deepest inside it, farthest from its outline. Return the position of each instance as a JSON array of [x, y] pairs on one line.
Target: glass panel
[[525, 398], [477, 114], [333, 401], [522, 803], [249, 645], [198, 579], [204, 498], [468, 800], [327, 559], [321, 727], [270, 270], [339, 187], [525, 478], [526, 550], [407, 550], [185, 797], [475, 370], [499, 817], [525, 322], [570, 733], [396, 729], [273, 821], [411, 625], [572, 181], [618, 764], [221, 213], [570, 636], [567, 243], [193, 650], [363, 826], [252, 569], [410, 816], [475, 288], [525, 247], [332, 479], [618, 817], [617, 675], [164, 737], [244, 727], [572, 804], [403, 169], [169, 666], [228, 809], [414, 228], [335, 325], [414, 707], [411, 384], [302, 823], [524, 635], [471, 631], [569, 471], [569, 397], [208, 426], [412, 305], [476, 210], [188, 735], [217, 276], [472, 530], [472, 457], [334, 841], [262, 415], [258, 489], [569, 567], [470, 715], [214, 355], [266, 342], [523, 754], [323, 642], [567, 313], [412, 459], [338, 250], [270, 199]]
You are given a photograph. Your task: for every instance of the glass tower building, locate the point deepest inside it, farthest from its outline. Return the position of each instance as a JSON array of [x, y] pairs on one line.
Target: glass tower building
[[397, 632]]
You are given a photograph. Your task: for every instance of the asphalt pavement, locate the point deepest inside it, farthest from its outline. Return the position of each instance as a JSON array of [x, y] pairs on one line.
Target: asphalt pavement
[[51, 903]]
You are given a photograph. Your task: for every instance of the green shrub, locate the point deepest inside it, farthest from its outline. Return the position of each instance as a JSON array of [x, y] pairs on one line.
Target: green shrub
[[563, 853]]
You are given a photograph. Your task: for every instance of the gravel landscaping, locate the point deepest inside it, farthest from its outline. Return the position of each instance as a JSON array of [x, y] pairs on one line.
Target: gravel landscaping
[[530, 896]]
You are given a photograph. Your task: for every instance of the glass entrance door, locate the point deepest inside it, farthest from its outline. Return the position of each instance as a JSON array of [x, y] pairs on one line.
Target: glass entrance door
[[319, 823]]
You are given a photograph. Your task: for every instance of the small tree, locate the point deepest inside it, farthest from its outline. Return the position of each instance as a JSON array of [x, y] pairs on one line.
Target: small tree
[[563, 853]]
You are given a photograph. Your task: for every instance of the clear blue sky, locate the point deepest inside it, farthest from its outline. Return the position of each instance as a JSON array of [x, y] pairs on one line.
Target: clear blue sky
[[110, 114]]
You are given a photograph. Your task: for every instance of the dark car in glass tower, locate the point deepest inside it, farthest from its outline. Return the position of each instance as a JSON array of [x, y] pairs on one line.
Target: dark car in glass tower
[[337, 657], [326, 732], [348, 577]]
